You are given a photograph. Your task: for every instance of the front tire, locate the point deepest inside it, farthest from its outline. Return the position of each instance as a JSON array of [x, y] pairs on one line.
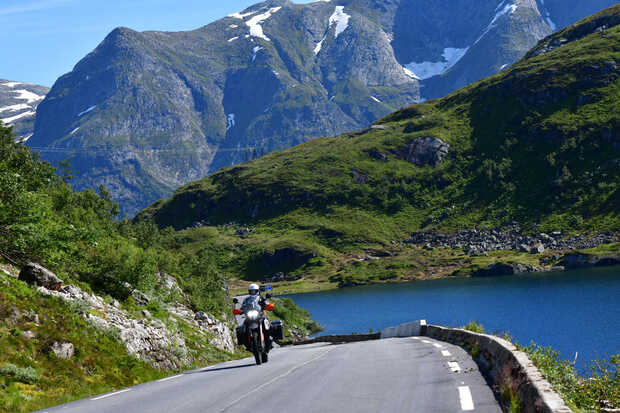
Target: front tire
[[256, 348]]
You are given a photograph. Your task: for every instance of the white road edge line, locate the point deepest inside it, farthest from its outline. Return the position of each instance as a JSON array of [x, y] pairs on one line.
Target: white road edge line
[[169, 378], [109, 394], [437, 345], [445, 353], [426, 342], [416, 338], [292, 369], [467, 403], [454, 366]]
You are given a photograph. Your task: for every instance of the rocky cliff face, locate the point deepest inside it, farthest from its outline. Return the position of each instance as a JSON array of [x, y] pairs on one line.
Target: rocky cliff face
[[18, 106], [147, 112]]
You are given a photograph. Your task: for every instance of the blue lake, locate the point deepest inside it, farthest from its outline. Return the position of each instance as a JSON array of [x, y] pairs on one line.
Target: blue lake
[[574, 311]]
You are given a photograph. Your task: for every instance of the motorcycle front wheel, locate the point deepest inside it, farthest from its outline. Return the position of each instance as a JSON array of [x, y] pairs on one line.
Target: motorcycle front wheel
[[256, 347]]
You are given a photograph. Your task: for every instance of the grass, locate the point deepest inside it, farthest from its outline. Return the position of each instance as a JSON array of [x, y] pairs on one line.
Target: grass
[[32, 377], [601, 389]]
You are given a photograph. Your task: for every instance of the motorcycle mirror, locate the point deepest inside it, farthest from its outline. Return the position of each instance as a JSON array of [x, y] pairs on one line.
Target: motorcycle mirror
[[267, 295], [235, 301], [262, 288]]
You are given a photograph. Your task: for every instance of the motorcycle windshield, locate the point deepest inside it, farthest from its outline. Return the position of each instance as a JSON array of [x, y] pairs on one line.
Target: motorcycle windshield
[[251, 303]]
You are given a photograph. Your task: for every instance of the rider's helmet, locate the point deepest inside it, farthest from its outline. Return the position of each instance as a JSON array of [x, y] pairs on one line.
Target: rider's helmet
[[253, 289]]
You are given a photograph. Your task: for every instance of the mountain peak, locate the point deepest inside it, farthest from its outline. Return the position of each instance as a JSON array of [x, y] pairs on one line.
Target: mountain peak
[[147, 112]]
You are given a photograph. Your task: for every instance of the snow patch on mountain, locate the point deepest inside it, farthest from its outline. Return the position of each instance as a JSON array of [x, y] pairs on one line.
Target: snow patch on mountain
[[242, 16], [375, 99], [341, 19], [11, 84], [230, 121], [13, 108], [84, 112], [74, 130], [30, 97], [255, 50], [256, 30], [319, 46], [16, 117], [410, 73], [232, 39], [506, 10], [425, 70]]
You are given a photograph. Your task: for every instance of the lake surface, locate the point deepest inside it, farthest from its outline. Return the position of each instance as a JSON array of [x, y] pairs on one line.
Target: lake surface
[[574, 311]]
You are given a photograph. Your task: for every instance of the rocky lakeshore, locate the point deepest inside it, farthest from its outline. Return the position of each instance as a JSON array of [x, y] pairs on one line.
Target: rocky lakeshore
[[475, 242]]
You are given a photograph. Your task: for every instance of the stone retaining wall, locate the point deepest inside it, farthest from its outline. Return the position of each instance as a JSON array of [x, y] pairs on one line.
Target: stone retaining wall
[[505, 366], [412, 328], [342, 338]]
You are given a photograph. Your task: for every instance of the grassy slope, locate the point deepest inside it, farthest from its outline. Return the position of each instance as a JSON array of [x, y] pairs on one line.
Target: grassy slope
[[74, 234], [536, 143]]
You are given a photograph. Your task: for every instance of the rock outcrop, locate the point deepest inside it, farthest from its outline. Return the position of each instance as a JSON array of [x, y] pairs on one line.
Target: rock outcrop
[[475, 241], [149, 338], [36, 274], [500, 268], [581, 260], [63, 350], [426, 151]]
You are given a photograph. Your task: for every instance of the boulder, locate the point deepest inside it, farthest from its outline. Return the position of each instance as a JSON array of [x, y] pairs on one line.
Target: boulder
[[426, 151], [36, 274], [202, 316], [359, 177], [498, 268], [140, 298], [537, 249], [63, 350], [28, 335]]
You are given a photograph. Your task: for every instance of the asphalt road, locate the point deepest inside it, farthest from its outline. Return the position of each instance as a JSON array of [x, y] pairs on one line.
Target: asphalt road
[[392, 375]]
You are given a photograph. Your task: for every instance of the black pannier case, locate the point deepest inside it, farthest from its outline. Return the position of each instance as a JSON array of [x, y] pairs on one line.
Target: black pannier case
[[276, 330], [242, 337]]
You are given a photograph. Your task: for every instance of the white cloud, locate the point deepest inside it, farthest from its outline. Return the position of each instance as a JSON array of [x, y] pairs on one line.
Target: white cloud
[[25, 7]]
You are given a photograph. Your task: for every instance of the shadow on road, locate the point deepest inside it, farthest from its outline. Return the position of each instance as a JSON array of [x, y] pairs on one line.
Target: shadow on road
[[222, 368]]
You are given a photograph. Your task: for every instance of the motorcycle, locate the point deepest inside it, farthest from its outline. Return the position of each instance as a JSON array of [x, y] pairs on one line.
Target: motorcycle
[[256, 332]]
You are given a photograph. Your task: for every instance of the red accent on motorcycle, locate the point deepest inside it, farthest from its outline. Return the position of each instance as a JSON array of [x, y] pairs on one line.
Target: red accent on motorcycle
[[236, 311], [269, 307]]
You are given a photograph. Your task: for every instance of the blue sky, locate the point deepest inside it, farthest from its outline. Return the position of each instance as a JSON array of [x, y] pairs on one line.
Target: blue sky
[[43, 39]]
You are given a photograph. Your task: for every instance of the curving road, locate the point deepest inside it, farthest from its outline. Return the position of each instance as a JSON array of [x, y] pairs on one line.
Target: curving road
[[414, 374]]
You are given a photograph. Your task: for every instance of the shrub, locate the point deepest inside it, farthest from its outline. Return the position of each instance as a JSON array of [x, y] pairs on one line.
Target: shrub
[[21, 374], [78, 306], [474, 326]]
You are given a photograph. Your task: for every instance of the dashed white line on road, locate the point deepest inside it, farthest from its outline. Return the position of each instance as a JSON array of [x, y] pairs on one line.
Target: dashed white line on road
[[445, 353], [437, 345], [416, 338], [426, 341], [467, 403], [275, 379], [454, 366], [110, 394], [170, 378]]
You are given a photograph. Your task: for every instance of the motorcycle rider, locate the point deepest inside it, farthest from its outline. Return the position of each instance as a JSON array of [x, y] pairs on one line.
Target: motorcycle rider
[[253, 291]]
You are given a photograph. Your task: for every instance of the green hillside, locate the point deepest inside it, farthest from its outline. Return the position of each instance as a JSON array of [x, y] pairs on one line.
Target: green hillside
[[538, 144]]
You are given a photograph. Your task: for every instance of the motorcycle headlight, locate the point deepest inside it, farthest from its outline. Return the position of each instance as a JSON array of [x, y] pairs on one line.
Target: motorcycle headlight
[[252, 314]]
